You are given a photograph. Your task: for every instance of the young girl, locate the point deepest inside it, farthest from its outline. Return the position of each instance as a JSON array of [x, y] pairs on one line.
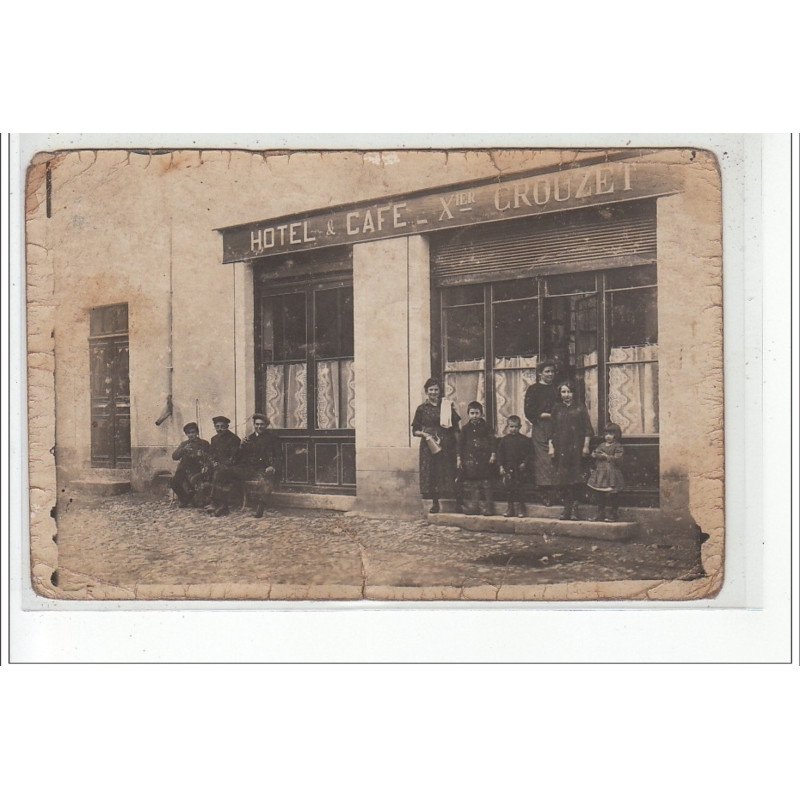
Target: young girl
[[606, 479], [571, 431]]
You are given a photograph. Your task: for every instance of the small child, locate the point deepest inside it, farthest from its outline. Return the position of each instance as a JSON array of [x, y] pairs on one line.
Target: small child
[[476, 454], [513, 455], [606, 478]]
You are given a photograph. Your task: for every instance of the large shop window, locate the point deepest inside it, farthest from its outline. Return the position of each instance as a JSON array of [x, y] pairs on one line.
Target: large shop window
[[599, 326], [306, 379]]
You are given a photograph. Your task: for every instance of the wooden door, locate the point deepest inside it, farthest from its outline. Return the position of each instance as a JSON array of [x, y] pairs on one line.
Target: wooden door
[[110, 389]]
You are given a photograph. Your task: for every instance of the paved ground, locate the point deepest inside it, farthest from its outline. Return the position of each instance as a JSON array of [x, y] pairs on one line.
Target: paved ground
[[133, 539]]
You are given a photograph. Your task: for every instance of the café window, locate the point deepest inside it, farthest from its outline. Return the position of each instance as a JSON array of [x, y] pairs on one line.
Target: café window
[[305, 379], [599, 326]]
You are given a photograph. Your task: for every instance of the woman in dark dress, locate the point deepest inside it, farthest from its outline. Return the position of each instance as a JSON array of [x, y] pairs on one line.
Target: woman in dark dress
[[569, 444], [438, 430], [539, 401]]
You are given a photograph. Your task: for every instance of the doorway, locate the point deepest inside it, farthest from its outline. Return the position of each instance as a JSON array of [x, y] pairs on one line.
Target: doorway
[[110, 387]]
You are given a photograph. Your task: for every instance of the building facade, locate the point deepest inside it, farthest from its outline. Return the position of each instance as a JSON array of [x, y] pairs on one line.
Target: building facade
[[324, 288]]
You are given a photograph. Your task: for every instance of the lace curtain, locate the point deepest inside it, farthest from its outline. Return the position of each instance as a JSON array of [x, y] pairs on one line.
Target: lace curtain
[[588, 369], [464, 382], [286, 396], [512, 377], [336, 394], [633, 388]]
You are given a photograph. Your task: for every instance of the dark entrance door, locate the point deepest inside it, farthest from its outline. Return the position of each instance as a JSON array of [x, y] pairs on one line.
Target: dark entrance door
[[305, 367], [110, 387]]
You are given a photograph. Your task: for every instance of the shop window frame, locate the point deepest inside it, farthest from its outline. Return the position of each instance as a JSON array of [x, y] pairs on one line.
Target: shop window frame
[[635, 495], [267, 289]]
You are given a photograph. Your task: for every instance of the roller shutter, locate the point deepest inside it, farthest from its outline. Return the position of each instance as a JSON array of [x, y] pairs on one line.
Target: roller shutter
[[620, 235]]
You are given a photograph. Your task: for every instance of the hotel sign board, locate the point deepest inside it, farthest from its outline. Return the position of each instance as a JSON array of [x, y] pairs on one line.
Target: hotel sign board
[[507, 197]]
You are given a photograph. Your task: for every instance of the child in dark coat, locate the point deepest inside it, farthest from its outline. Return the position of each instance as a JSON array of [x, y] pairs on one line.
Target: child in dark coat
[[476, 455], [606, 479], [513, 455]]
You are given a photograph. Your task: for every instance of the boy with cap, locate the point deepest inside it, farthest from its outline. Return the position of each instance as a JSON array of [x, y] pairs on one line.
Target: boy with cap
[[224, 449], [259, 460], [192, 455], [476, 455]]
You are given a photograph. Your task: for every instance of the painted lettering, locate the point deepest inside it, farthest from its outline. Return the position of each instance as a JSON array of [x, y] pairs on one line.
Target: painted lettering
[[626, 185], [271, 232], [497, 201], [282, 230], [557, 195], [369, 225], [306, 237], [521, 194], [381, 211], [541, 200], [398, 223], [351, 215], [255, 240], [602, 185], [445, 208], [294, 236], [582, 190]]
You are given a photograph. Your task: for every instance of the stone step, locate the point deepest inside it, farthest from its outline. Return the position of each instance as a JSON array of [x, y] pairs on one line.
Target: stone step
[[102, 487], [608, 531]]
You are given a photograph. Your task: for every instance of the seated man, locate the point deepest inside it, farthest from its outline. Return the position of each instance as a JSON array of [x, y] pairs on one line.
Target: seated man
[[223, 452], [259, 460], [192, 455]]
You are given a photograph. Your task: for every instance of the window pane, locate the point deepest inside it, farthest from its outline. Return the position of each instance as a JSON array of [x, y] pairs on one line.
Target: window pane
[[285, 403], [327, 461], [462, 387], [577, 283], [633, 317], [296, 454], [516, 328], [335, 394], [267, 329], [632, 276], [463, 295], [513, 290], [346, 347], [349, 464], [326, 323], [333, 322], [464, 333], [640, 466], [633, 390], [290, 326], [570, 331]]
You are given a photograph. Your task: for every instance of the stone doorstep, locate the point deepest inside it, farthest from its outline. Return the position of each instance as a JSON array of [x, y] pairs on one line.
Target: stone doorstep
[[103, 487], [328, 502], [609, 531]]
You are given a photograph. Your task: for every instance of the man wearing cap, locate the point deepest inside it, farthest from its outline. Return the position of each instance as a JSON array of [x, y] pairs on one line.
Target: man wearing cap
[[259, 460], [192, 455], [223, 451]]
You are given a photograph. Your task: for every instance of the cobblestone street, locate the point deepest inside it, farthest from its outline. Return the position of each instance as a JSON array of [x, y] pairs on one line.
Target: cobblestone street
[[134, 541]]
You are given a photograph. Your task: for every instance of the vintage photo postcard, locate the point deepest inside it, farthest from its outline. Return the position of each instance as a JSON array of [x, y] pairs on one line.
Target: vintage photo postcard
[[487, 375]]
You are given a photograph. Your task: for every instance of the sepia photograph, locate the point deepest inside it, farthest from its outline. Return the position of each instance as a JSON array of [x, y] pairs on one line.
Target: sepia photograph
[[418, 374]]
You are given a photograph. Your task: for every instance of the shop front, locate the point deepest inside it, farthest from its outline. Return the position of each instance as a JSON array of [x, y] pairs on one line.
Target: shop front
[[355, 306]]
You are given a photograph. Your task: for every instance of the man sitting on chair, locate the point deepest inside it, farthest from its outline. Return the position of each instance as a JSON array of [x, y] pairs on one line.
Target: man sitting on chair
[[259, 460], [192, 454]]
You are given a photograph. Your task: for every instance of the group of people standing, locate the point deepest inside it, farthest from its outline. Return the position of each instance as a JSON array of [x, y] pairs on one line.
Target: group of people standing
[[467, 458], [210, 475]]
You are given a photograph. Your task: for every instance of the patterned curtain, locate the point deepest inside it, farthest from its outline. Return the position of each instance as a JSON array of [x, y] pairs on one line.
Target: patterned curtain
[[588, 365], [464, 382], [286, 396], [633, 388], [335, 394], [348, 394], [512, 377]]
